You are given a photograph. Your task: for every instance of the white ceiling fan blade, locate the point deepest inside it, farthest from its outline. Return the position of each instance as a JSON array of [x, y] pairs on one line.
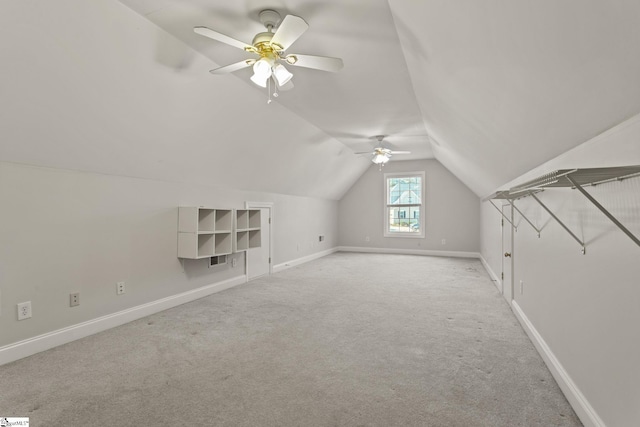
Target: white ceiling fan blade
[[400, 152], [233, 67], [324, 63], [364, 152], [208, 32], [291, 28]]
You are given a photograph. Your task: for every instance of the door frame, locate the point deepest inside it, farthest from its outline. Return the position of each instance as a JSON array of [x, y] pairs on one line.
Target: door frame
[[261, 205]]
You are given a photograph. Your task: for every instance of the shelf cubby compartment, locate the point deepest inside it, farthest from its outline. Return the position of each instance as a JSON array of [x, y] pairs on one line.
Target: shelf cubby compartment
[[196, 219], [223, 220], [254, 239], [242, 219], [195, 245], [242, 240], [247, 232], [223, 244], [254, 219], [198, 229]]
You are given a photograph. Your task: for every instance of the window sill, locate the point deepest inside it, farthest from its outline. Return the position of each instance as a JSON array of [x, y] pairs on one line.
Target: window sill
[[404, 235]]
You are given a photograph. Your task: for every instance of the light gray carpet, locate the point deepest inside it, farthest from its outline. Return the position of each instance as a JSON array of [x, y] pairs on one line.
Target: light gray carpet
[[346, 340]]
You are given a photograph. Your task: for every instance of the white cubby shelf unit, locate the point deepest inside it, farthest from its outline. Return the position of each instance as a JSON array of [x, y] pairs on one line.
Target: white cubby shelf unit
[[204, 232], [248, 233]]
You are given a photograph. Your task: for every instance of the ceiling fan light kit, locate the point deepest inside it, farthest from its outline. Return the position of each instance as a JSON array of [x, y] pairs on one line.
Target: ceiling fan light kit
[[380, 155], [270, 47], [262, 71], [282, 75], [380, 158]]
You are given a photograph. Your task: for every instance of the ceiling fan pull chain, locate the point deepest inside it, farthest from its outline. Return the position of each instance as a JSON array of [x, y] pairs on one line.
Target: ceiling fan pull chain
[[269, 90]]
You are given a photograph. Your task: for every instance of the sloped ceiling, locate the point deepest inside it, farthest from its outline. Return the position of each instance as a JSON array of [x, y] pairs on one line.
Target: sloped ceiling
[[504, 86], [372, 95], [491, 89], [84, 88]]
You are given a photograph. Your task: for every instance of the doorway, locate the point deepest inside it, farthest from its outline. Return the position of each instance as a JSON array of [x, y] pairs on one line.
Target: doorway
[[507, 253], [258, 260]]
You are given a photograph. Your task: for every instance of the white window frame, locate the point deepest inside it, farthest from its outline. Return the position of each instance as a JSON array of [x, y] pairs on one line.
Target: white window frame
[[386, 206]]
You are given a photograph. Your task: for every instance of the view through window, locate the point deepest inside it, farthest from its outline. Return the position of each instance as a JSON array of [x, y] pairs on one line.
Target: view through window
[[404, 194]]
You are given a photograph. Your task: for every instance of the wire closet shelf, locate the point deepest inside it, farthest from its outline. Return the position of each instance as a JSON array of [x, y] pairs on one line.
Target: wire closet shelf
[[568, 178]]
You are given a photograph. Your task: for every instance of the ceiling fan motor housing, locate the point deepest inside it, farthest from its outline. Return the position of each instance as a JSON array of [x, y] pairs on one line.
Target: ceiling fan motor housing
[[262, 38], [262, 41]]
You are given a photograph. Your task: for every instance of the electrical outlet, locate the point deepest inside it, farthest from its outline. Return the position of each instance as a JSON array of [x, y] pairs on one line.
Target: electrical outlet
[[234, 262], [24, 310], [120, 288], [521, 286], [74, 299], [320, 238], [444, 241], [367, 239]]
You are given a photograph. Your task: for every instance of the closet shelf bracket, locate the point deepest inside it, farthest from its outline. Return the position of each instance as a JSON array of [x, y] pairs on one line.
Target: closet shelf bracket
[[602, 209], [584, 250], [524, 216], [515, 227], [504, 195]]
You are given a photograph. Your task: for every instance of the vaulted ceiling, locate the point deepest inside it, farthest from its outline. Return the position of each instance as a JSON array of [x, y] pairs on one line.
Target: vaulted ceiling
[[491, 89]]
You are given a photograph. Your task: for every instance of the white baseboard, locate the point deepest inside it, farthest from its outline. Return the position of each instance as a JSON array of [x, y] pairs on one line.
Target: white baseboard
[[494, 277], [34, 345], [455, 254], [298, 261], [580, 404], [302, 260]]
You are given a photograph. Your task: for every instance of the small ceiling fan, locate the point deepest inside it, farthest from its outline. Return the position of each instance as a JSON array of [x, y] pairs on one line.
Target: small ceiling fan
[[270, 47], [381, 155]]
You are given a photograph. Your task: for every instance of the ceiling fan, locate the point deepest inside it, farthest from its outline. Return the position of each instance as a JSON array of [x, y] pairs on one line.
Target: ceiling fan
[[381, 155], [270, 47]]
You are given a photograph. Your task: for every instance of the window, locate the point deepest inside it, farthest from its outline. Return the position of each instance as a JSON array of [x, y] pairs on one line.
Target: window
[[404, 193]]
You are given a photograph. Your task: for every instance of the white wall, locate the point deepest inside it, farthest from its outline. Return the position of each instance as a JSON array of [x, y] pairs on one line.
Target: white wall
[[451, 211], [299, 223], [86, 87], [65, 231], [586, 308]]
